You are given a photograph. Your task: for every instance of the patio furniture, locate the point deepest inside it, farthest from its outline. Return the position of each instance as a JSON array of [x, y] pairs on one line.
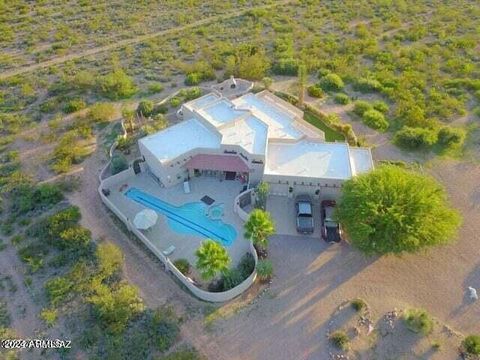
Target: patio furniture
[[145, 219], [168, 251], [186, 187]]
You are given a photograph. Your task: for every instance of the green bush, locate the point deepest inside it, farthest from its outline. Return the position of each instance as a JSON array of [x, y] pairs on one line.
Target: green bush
[[28, 198], [451, 137], [367, 85], [102, 112], [315, 91], [341, 98], [74, 237], [117, 85], [415, 138], [287, 66], [381, 106], [358, 304], [119, 164], [49, 316], [375, 120], [232, 278], [74, 105], [175, 101], [155, 88], [182, 265], [145, 108], [193, 79], [339, 339], [418, 321], [360, 107], [331, 82], [58, 289], [109, 259], [471, 344], [264, 269], [246, 265]]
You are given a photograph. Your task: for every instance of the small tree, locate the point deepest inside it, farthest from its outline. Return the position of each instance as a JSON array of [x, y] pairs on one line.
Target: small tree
[[267, 82], [129, 117], [394, 210], [117, 85], [302, 82], [375, 120], [418, 321], [259, 227], [212, 259], [332, 82], [101, 112], [262, 193]]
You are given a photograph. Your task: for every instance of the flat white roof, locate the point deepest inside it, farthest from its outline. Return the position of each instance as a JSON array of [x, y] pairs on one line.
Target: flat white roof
[[203, 101], [221, 112], [179, 139], [280, 123], [311, 159], [361, 160], [249, 133]]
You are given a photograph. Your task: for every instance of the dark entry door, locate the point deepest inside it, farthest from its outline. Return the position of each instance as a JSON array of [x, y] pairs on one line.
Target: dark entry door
[[230, 175], [136, 167]]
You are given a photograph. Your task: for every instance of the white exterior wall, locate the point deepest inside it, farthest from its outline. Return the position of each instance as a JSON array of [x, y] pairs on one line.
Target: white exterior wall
[[279, 185]]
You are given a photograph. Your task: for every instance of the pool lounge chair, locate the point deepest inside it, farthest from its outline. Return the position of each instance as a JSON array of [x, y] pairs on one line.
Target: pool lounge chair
[[186, 187], [168, 251]]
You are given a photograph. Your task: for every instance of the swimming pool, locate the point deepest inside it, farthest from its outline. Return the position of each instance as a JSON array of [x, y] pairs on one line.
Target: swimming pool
[[190, 218]]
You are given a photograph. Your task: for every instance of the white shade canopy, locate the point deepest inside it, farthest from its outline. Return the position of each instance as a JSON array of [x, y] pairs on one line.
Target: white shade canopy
[[145, 219]]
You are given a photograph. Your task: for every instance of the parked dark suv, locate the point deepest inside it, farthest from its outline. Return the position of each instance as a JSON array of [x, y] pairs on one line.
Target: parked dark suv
[[304, 208], [331, 230]]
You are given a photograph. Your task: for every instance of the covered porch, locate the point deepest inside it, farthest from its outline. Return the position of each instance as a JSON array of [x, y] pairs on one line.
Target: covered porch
[[222, 167]]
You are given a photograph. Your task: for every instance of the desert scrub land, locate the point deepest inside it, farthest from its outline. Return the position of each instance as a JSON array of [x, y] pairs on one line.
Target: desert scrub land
[[406, 70]]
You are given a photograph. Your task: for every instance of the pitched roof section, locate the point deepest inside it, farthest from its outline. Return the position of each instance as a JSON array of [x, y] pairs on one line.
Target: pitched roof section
[[217, 162]]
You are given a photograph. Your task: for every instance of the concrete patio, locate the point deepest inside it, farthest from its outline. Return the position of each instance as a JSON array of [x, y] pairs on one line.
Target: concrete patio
[[161, 235]]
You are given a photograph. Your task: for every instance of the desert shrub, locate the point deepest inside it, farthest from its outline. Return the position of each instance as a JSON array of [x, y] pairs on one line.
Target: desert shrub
[[246, 265], [415, 138], [381, 106], [232, 278], [74, 105], [339, 339], [360, 107], [341, 99], [50, 228], [451, 137], [58, 289], [471, 344], [145, 108], [109, 259], [358, 304], [418, 321], [315, 91], [331, 82], [375, 120], [117, 85], [182, 265], [115, 306], [5, 318], [264, 270], [28, 198], [192, 93], [101, 112], [49, 316], [119, 163], [367, 85], [287, 66], [73, 238], [155, 88], [193, 79], [175, 101], [161, 109]]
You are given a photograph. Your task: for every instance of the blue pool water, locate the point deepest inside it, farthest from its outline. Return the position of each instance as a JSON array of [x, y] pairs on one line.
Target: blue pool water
[[191, 218]]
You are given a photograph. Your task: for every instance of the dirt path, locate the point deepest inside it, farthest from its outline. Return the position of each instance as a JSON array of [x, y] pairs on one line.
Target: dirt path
[[135, 40]]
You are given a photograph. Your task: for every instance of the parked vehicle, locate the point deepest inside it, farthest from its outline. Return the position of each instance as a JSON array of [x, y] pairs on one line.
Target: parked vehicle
[[331, 230], [304, 208]]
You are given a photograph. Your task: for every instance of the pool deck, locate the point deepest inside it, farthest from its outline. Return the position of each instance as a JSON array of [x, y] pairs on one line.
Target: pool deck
[[161, 235]]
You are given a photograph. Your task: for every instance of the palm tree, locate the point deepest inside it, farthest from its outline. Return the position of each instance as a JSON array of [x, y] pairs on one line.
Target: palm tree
[[259, 227], [212, 258]]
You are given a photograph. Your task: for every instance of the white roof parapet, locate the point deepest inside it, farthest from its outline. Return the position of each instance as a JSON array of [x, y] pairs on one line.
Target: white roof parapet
[[277, 101]]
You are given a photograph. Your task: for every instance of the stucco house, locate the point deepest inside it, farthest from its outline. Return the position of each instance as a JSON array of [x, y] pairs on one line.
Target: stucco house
[[251, 138]]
